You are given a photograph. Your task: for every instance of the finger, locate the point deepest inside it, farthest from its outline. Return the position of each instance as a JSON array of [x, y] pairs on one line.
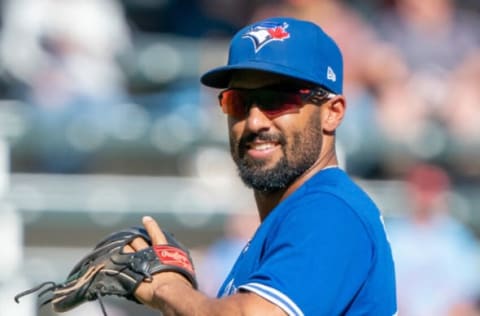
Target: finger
[[128, 249], [138, 244], [154, 231]]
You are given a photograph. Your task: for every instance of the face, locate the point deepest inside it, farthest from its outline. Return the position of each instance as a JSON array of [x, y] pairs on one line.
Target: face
[[271, 152]]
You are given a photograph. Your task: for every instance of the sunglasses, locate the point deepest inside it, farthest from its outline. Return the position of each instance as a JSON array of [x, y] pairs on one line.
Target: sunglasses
[[272, 102]]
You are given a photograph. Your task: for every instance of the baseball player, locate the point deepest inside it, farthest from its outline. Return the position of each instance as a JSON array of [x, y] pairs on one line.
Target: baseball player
[[321, 248]]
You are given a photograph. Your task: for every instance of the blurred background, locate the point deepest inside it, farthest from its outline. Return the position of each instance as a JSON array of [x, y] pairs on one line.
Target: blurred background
[[103, 120]]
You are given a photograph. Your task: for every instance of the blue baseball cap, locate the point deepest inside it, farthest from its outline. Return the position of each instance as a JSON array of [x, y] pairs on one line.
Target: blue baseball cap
[[286, 46]]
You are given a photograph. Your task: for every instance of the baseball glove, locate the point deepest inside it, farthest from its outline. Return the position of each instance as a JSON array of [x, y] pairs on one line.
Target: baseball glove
[[108, 270]]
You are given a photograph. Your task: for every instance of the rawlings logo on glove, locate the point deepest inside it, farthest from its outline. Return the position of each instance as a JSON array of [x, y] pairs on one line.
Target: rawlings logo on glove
[[173, 256]]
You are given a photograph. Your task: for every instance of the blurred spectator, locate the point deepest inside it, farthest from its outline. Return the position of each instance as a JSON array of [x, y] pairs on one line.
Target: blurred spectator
[[63, 57], [436, 40], [461, 118], [434, 36], [463, 102], [222, 254], [436, 257], [66, 50]]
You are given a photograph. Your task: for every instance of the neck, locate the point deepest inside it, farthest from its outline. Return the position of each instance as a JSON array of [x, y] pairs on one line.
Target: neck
[[267, 201]]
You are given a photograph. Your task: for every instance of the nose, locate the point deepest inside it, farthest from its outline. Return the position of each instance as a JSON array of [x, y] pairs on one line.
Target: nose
[[256, 120]]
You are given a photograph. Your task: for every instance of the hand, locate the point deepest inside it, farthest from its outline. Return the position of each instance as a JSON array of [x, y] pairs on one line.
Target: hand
[[145, 292]]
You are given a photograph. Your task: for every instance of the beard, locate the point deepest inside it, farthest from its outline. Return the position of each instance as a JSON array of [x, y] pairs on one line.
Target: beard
[[300, 152]]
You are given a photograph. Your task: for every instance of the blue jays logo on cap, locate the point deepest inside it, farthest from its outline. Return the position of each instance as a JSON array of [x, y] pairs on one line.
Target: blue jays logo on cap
[[267, 32]]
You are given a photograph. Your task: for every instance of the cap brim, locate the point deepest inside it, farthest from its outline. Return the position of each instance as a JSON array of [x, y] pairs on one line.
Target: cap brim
[[220, 77]]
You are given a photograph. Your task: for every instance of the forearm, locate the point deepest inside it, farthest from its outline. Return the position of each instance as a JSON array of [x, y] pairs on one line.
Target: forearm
[[180, 299]]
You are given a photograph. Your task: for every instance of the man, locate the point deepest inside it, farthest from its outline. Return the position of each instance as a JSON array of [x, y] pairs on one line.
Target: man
[[321, 248]]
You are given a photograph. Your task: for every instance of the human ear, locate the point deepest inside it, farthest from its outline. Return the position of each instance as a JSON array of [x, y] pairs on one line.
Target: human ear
[[334, 111]]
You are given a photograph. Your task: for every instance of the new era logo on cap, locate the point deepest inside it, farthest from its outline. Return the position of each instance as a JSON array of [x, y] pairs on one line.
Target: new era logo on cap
[[297, 49], [262, 34], [331, 74]]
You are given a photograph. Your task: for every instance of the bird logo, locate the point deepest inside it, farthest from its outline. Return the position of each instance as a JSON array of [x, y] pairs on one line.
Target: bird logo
[[265, 33]]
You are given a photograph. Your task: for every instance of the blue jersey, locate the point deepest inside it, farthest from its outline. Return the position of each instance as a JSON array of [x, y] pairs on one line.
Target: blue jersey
[[322, 251]]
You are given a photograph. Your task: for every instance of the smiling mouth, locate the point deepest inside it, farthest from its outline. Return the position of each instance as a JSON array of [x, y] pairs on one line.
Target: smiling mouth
[[261, 146]]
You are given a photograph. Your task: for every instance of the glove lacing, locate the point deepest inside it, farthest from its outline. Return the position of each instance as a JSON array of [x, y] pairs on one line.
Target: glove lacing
[[53, 286]]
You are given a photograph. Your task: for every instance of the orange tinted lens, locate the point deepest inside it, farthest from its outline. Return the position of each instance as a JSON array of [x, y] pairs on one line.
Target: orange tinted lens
[[233, 102], [272, 103]]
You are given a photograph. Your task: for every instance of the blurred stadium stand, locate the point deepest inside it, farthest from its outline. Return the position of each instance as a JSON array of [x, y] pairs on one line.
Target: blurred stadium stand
[[158, 145]]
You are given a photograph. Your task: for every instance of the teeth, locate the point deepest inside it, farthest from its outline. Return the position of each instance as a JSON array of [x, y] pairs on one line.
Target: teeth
[[263, 146]]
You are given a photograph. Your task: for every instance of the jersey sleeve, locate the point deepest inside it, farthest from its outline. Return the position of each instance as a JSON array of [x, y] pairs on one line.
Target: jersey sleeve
[[316, 258]]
